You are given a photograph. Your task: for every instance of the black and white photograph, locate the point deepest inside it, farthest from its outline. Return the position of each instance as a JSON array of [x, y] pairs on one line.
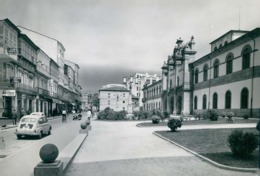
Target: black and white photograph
[[129, 87]]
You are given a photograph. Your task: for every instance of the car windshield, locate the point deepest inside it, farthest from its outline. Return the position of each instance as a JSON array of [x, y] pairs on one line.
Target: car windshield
[[29, 119]]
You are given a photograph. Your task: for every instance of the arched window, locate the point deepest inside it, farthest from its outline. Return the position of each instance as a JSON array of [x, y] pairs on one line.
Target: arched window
[[204, 102], [205, 72], [215, 101], [220, 45], [195, 102], [216, 68], [246, 58], [244, 98], [215, 48], [228, 100], [196, 76], [229, 65]]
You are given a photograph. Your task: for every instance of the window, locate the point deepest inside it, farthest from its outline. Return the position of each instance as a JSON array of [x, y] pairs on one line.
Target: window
[[123, 101], [205, 72], [108, 102], [228, 100], [229, 65], [216, 68], [108, 95], [170, 84], [246, 58], [196, 76], [215, 101], [244, 98], [195, 102], [226, 42], [204, 102], [178, 81]]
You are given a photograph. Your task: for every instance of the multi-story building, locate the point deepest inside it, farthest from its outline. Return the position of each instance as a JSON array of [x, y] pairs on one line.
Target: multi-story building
[[31, 80], [153, 96], [69, 91], [115, 96], [8, 64], [176, 78], [44, 99], [226, 79], [136, 83]]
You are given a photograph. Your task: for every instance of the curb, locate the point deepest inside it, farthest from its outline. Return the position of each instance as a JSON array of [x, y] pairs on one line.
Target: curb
[[254, 170]]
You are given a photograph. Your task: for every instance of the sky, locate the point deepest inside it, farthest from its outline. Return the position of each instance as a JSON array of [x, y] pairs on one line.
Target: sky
[[110, 39]]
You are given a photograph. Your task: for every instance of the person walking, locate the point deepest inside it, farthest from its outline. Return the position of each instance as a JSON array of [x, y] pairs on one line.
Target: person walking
[[14, 116], [63, 114]]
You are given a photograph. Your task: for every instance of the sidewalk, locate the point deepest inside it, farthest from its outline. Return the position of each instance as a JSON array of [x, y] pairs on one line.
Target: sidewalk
[[121, 148]]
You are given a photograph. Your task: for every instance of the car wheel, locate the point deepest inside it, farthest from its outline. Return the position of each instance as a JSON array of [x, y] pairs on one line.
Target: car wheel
[[19, 136], [49, 132], [40, 135]]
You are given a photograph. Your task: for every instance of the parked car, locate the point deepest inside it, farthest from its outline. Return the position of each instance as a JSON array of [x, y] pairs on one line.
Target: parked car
[[37, 113], [33, 125], [258, 126]]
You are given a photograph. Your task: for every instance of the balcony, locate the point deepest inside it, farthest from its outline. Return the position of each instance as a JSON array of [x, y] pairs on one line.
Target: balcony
[[25, 89], [43, 92], [8, 54]]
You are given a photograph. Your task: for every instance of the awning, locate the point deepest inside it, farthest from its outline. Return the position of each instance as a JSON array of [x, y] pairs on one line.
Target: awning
[[57, 101]]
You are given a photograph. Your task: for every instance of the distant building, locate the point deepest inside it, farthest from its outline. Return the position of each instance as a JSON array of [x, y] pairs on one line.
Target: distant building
[[153, 96], [135, 84], [115, 96]]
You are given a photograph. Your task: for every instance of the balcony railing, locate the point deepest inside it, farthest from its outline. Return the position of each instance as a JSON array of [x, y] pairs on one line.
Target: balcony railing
[[43, 92], [25, 88]]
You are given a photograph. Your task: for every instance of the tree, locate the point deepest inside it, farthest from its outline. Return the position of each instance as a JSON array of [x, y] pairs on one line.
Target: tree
[[95, 100]]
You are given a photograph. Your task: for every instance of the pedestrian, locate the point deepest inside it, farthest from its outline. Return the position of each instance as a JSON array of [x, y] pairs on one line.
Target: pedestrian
[[89, 114], [22, 112], [14, 116]]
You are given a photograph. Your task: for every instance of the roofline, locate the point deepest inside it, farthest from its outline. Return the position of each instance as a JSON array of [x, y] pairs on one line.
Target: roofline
[[113, 90], [241, 31], [250, 34], [27, 39], [72, 63], [12, 25]]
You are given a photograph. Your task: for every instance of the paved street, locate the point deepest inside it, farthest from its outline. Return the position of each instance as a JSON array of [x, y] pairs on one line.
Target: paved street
[[121, 148], [24, 156]]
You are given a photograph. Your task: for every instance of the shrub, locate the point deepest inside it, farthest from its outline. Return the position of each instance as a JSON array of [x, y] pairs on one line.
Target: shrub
[[155, 119], [245, 116], [241, 143], [166, 114], [142, 115], [174, 123], [230, 115], [197, 116], [222, 114], [212, 115]]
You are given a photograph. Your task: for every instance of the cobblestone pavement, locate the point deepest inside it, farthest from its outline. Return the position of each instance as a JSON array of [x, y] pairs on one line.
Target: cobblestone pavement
[[121, 148]]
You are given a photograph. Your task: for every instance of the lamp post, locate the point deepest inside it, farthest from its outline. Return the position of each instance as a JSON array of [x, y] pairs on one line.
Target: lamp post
[[130, 106]]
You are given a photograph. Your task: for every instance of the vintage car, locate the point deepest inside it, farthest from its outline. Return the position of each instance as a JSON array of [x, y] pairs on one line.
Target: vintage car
[[33, 125]]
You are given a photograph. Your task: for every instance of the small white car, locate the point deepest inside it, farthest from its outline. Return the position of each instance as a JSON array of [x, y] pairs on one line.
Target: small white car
[[33, 125]]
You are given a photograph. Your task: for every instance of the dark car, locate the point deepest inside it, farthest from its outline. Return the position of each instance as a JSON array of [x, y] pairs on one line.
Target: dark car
[[258, 126]]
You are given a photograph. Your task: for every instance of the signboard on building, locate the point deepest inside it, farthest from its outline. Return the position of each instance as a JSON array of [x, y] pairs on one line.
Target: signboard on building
[[11, 50], [9, 93]]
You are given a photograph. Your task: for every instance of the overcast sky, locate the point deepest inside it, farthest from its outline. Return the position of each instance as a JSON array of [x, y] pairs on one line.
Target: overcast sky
[[110, 39]]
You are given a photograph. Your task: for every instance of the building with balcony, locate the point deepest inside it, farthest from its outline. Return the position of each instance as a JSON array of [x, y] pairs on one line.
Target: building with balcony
[[68, 89], [8, 64], [31, 80]]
